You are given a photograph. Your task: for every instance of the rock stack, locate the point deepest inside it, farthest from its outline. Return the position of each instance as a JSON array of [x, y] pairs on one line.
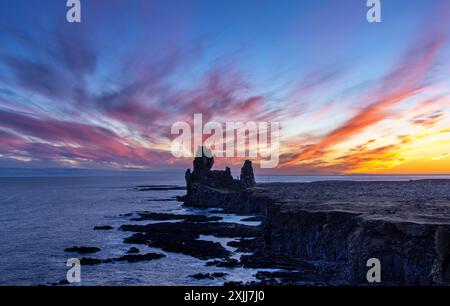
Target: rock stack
[[247, 178], [221, 179]]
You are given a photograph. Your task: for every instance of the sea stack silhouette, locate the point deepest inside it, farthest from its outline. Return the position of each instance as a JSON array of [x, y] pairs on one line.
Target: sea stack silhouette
[[203, 175]]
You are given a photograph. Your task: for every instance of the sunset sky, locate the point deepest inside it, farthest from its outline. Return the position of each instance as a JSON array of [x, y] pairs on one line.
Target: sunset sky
[[351, 96]]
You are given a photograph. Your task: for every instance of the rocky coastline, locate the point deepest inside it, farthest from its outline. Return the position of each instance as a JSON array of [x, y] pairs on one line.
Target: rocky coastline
[[325, 232], [320, 233]]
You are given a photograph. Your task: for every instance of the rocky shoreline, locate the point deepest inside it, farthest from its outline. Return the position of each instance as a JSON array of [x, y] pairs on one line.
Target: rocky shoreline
[[318, 233], [325, 232]]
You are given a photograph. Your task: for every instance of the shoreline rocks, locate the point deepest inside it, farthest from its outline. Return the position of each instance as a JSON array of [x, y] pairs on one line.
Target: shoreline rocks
[[125, 258], [340, 225], [103, 228], [214, 275], [82, 250], [184, 237], [143, 216], [133, 250]]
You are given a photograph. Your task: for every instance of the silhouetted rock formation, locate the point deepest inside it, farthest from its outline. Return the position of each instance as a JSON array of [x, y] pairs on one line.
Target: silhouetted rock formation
[[329, 230], [247, 177], [203, 176], [203, 163]]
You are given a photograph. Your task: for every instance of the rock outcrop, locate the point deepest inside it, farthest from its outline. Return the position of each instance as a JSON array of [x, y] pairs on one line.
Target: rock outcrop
[[247, 177], [405, 225], [206, 186]]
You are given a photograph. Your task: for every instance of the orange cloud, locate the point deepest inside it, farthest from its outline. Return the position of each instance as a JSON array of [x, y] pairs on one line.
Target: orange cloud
[[404, 82]]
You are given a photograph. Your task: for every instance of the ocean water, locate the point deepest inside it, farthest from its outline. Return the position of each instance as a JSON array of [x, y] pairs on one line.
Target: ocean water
[[41, 216]]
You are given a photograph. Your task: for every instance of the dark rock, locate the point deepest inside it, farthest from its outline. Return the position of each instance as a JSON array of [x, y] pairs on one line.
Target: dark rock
[[234, 284], [187, 244], [133, 250], [202, 174], [218, 229], [230, 200], [247, 178], [208, 275], [291, 278], [342, 224], [87, 261], [128, 258], [187, 177], [212, 188], [82, 250], [331, 229], [62, 282], [203, 162], [182, 237], [227, 263], [138, 257], [165, 216], [182, 198], [256, 261], [213, 219], [202, 276], [245, 245], [197, 248], [103, 228]]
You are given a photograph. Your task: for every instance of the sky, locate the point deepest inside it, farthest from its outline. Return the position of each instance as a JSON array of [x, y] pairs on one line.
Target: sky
[[351, 96]]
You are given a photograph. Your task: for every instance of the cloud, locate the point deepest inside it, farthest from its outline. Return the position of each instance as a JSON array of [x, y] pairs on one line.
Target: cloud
[[429, 120], [53, 138], [403, 82], [79, 104]]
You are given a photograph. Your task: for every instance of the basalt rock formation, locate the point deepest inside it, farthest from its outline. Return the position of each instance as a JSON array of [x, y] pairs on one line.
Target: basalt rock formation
[[338, 226], [206, 186], [247, 177]]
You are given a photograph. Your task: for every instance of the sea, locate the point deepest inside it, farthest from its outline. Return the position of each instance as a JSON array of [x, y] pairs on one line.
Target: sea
[[42, 215]]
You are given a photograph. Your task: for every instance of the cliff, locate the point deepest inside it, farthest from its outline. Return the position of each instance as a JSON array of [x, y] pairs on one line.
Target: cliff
[[406, 225]]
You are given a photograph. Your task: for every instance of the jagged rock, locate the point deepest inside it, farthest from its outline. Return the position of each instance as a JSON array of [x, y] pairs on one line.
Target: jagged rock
[[338, 226], [202, 276], [137, 257], [166, 216], [187, 177], [218, 229], [82, 250], [103, 228], [87, 261], [133, 250], [234, 284], [227, 263], [245, 245], [131, 258], [403, 224], [183, 237], [247, 177], [202, 175], [238, 201]]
